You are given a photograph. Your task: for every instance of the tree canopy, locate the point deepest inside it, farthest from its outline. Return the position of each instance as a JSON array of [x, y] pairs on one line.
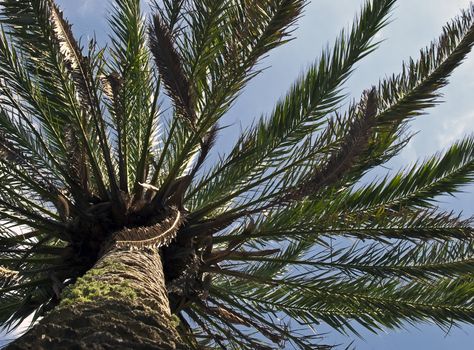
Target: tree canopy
[[114, 144]]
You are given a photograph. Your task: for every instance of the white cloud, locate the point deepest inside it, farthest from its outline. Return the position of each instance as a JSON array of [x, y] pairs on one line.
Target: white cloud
[[454, 129]]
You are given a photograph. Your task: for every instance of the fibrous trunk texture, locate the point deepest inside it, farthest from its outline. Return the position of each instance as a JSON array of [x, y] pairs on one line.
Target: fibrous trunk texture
[[121, 303]]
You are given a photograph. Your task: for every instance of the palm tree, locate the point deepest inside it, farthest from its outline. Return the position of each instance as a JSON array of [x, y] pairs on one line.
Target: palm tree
[[122, 229]]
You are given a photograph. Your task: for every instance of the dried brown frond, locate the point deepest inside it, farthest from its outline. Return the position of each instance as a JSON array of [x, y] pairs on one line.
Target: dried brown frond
[[77, 159], [7, 273], [355, 142], [76, 62], [170, 67], [79, 68], [112, 86], [7, 276]]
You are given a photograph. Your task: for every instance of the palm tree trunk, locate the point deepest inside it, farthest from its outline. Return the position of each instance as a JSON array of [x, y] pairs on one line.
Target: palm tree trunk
[[121, 303]]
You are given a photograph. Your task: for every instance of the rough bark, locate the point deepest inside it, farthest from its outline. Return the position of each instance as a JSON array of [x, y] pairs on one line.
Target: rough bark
[[121, 303]]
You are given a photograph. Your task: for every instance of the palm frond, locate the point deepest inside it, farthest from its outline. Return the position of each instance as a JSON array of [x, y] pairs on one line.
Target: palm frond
[[295, 117], [42, 40], [222, 51], [373, 303], [417, 88], [407, 261], [171, 69], [134, 108], [420, 185], [108, 148]]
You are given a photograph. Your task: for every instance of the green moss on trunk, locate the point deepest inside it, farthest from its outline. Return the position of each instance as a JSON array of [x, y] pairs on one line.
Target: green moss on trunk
[[121, 303], [90, 287]]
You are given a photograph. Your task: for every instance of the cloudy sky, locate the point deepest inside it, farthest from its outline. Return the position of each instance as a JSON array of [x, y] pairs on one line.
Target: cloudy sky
[[415, 24]]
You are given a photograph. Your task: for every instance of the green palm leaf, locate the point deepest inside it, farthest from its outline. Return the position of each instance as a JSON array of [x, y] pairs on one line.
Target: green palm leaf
[[107, 151]]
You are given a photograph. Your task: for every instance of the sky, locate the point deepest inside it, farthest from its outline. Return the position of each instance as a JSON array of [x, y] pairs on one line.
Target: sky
[[414, 24]]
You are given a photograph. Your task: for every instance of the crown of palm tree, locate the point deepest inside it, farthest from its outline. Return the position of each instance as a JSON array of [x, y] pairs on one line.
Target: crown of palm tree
[[110, 145]]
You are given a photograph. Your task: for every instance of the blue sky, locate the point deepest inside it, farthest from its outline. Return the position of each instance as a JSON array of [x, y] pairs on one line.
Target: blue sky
[[415, 24]]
